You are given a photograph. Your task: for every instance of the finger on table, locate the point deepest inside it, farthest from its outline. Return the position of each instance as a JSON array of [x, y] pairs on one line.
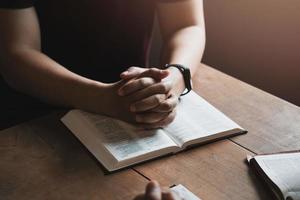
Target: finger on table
[[153, 191]]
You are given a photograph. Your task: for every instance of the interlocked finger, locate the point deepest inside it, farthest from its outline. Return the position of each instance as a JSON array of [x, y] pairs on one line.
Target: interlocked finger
[[168, 105], [158, 88], [150, 117], [132, 72], [148, 103], [160, 124], [136, 85]]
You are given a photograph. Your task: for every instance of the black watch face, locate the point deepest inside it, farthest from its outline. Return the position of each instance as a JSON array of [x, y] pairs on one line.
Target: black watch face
[[187, 79]]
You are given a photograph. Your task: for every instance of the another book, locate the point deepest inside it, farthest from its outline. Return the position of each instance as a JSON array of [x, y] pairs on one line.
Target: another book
[[184, 193], [280, 173], [117, 144]]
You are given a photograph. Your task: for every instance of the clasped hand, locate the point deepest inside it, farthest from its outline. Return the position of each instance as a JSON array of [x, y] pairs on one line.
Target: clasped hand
[[145, 97]]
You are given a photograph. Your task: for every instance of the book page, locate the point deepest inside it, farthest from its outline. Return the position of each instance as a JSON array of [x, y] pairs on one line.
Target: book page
[[284, 170], [196, 118], [125, 141], [184, 193]]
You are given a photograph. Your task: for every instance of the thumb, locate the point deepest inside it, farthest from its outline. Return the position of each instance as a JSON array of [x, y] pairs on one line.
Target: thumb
[[155, 73], [132, 72], [153, 191], [135, 72]]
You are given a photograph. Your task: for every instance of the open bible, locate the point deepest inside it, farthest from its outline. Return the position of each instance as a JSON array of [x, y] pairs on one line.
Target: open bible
[[117, 144], [280, 172]]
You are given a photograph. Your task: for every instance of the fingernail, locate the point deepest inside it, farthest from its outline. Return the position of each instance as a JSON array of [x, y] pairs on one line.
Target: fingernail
[[124, 73], [153, 190], [155, 183]]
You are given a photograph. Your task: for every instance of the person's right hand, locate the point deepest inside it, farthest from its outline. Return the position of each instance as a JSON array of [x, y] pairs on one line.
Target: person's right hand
[[155, 192], [110, 103], [153, 100]]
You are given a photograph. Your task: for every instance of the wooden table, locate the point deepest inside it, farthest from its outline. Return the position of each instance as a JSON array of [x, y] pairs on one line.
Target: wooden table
[[41, 159]]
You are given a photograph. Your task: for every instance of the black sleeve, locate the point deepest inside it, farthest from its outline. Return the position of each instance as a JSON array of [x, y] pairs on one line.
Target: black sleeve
[[16, 4]]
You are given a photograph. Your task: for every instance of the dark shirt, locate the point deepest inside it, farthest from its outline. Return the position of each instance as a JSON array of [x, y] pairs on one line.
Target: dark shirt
[[94, 38], [97, 39]]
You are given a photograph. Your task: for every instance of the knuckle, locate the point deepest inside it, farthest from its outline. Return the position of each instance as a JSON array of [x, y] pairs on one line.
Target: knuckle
[[148, 82], [163, 88], [132, 68], [152, 70], [167, 122], [167, 106], [144, 82], [157, 99]]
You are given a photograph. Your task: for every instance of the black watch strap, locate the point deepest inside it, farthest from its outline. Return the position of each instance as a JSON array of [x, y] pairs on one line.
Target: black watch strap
[[186, 76]]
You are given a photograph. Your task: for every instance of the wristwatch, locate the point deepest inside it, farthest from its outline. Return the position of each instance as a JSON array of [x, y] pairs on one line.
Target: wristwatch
[[186, 76]]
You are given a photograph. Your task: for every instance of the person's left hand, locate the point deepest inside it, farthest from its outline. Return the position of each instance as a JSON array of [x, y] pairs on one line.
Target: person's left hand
[[155, 192], [156, 94]]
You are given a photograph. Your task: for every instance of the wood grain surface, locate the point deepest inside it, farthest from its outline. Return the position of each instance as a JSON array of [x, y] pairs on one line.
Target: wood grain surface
[[41, 159], [273, 124], [213, 172]]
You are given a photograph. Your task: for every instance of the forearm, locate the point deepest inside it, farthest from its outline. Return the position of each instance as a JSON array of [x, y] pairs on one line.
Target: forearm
[[34, 73], [184, 47]]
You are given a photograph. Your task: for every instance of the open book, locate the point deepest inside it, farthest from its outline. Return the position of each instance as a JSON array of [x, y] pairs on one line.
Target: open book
[[281, 173], [117, 144]]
